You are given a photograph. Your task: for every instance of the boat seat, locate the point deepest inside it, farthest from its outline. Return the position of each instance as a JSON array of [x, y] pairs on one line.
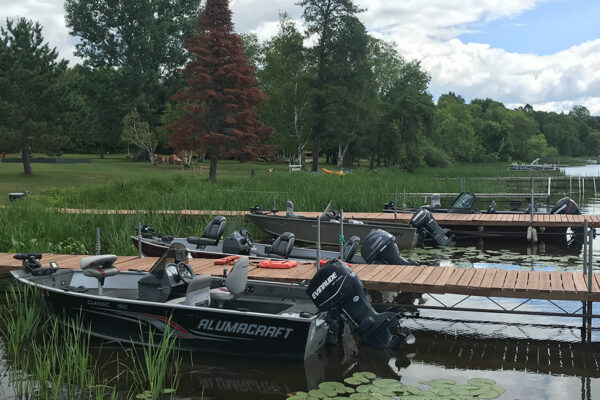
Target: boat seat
[[289, 210], [212, 233], [235, 283], [492, 207], [99, 267], [197, 293], [282, 246]]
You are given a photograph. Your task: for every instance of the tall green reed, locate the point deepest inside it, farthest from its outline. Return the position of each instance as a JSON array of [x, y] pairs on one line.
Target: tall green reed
[[156, 368]]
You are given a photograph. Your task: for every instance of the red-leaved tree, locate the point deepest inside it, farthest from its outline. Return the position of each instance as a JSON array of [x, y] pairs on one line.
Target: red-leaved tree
[[220, 95]]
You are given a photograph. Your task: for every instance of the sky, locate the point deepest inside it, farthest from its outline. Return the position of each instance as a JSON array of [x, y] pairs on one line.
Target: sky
[[540, 52]]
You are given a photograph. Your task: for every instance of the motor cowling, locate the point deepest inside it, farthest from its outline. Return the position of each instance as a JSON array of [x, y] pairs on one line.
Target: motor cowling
[[566, 205], [427, 226], [380, 247], [336, 288]]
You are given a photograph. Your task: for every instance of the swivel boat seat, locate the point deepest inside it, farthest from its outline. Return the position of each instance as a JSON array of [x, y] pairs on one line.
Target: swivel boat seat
[[289, 210], [197, 292], [492, 207], [282, 246], [99, 267], [212, 233], [235, 283]]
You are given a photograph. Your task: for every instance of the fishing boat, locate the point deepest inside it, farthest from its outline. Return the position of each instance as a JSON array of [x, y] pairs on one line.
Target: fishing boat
[[210, 245], [305, 228], [423, 219], [229, 314]]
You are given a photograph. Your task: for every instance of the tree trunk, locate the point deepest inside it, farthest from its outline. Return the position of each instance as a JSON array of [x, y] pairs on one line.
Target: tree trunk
[[372, 161], [26, 161], [212, 172], [342, 154]]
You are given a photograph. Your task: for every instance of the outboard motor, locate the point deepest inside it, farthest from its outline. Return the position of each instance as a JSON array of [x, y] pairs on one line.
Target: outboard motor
[[565, 206], [336, 288], [380, 248], [428, 227]]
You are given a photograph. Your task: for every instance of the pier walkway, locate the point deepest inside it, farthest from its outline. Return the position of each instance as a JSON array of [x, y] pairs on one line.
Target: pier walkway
[[499, 219], [415, 279], [553, 287]]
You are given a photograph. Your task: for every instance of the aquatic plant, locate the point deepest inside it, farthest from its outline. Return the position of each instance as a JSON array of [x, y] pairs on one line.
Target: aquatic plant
[[366, 386], [20, 318], [156, 372]]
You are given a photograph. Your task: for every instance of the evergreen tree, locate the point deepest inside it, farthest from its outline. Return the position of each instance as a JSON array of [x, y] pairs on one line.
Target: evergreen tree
[[324, 18], [31, 96], [221, 93]]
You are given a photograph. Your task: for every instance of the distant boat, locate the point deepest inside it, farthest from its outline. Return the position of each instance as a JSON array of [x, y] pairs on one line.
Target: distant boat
[[535, 166], [341, 172], [591, 161]]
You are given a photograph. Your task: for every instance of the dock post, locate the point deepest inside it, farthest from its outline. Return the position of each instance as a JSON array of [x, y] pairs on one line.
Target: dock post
[[395, 202], [65, 203], [403, 199], [585, 245], [341, 238], [97, 240], [318, 263], [549, 188], [139, 236], [590, 305], [162, 200], [274, 203], [532, 202], [570, 185]]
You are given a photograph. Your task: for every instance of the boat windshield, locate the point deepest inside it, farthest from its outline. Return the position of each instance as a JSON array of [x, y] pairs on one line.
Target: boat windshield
[[464, 201], [177, 252]]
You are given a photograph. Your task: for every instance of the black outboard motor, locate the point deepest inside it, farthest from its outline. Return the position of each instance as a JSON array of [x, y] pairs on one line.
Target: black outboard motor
[[565, 206], [428, 227], [336, 288], [380, 248]]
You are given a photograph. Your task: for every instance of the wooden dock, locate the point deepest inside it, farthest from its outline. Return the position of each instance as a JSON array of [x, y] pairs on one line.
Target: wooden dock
[[415, 279], [510, 220]]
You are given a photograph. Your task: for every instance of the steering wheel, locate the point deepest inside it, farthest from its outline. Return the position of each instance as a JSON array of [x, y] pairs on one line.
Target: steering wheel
[[185, 272], [249, 238]]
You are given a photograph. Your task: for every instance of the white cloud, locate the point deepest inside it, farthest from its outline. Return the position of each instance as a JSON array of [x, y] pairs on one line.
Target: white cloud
[[426, 30]]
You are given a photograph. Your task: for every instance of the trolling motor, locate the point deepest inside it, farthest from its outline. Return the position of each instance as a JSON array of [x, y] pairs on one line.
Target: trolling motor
[[335, 288], [32, 266], [30, 261], [380, 248], [428, 227]]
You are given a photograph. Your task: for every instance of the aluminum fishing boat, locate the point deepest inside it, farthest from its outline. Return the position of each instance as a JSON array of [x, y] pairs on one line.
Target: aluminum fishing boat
[[305, 228], [230, 314], [210, 245]]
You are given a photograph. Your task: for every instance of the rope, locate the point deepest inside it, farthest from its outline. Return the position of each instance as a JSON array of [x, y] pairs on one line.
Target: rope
[[344, 247]]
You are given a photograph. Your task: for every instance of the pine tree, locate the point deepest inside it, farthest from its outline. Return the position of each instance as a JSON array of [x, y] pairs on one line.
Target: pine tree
[[220, 95]]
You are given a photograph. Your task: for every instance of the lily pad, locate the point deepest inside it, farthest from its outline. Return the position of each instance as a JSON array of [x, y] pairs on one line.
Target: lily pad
[[481, 382], [440, 382], [386, 382], [321, 393], [354, 381], [366, 374], [463, 389]]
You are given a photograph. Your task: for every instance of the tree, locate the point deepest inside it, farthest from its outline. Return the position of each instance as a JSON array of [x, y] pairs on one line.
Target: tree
[[221, 93], [142, 40], [138, 133], [323, 18], [31, 98], [285, 79]]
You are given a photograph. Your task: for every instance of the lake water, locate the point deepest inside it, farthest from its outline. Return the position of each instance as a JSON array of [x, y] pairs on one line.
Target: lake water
[[531, 357]]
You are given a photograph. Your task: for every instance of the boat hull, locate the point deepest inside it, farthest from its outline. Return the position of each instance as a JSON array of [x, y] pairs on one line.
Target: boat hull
[[130, 321], [305, 229]]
